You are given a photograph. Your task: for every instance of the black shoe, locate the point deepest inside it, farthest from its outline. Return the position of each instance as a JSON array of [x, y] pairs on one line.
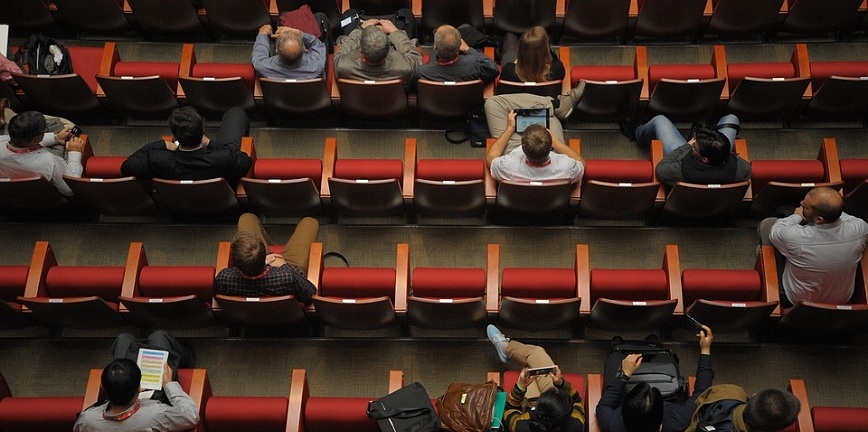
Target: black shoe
[[652, 339], [628, 129]]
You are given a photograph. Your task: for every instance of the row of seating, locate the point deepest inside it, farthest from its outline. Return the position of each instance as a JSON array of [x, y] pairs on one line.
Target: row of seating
[[373, 298], [431, 190], [576, 20]]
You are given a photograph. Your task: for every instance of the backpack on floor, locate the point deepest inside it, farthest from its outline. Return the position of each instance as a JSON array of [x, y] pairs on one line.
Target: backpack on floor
[[41, 55], [659, 369]]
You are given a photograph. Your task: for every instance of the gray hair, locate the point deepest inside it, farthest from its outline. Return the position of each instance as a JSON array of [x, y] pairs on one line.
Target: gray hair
[[374, 44]]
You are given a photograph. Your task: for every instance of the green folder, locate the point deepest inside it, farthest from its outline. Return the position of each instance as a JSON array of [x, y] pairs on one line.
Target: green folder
[[499, 406]]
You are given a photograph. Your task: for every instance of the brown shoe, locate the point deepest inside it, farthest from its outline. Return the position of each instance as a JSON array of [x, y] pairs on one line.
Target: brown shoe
[[4, 104]]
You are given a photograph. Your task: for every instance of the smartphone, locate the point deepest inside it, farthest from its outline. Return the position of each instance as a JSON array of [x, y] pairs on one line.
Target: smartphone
[[541, 371], [75, 131], [693, 324]]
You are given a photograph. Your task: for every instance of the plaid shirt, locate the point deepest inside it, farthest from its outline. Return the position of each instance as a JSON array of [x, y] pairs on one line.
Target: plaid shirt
[[277, 281]]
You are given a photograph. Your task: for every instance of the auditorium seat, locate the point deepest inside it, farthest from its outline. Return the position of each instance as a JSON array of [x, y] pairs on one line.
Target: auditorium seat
[[839, 419], [447, 101], [103, 188], [13, 282], [545, 88], [40, 413], [767, 90], [30, 196], [360, 298], [517, 16], [213, 88], [611, 92], [681, 91], [297, 100], [138, 89], [447, 188], [355, 98], [731, 300], [282, 186], [630, 299], [170, 18], [375, 7], [854, 173], [240, 18], [812, 17], [839, 89], [99, 17], [166, 297], [596, 19], [777, 183], [212, 198], [743, 18], [662, 19], [28, 16], [453, 12], [61, 296], [538, 299], [312, 413]]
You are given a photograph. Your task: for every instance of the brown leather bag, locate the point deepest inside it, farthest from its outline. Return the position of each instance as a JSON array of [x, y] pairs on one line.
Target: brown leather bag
[[467, 407]]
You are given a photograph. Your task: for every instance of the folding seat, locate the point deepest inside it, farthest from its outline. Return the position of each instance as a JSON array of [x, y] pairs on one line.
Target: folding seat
[[310, 413], [839, 89], [452, 298], [355, 98], [101, 17], [236, 17], [704, 203], [596, 19], [742, 18], [30, 195], [256, 312], [364, 187], [360, 298], [546, 202], [839, 419], [546, 88], [729, 300], [72, 296], [519, 16], [43, 413], [630, 299], [538, 299], [818, 16], [668, 18], [13, 282], [79, 88], [776, 183], [448, 188], [453, 12], [854, 173], [301, 100], [447, 101], [620, 189], [376, 7], [166, 296], [166, 17], [767, 90], [197, 198], [103, 188], [138, 89], [611, 92], [28, 15], [283, 186], [213, 88], [681, 91]]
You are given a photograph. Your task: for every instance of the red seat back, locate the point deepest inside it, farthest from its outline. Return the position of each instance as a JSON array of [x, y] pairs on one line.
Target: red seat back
[[601, 73], [84, 281], [853, 172], [44, 414], [86, 62], [358, 282], [629, 284], [736, 71], [230, 414], [167, 71], [618, 171], [171, 281], [104, 166], [337, 414], [369, 169], [786, 171], [226, 70], [13, 278], [839, 419], [679, 72], [732, 285], [539, 283], [274, 168], [448, 282], [821, 71], [450, 169]]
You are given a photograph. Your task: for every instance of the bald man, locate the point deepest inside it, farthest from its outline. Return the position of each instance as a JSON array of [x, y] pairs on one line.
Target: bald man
[[454, 60], [822, 247], [297, 55]]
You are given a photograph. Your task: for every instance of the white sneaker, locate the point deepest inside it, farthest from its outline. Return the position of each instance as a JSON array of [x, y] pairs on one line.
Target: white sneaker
[[499, 341]]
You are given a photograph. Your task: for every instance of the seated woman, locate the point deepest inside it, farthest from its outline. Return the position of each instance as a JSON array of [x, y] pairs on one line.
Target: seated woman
[[531, 58]]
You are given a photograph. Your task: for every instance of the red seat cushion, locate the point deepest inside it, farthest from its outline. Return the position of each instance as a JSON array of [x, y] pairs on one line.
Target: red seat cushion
[[336, 414], [369, 169], [104, 166], [275, 168], [618, 171], [820, 71], [839, 419], [85, 281], [601, 73], [230, 414], [13, 278], [679, 72], [853, 172], [226, 70], [86, 62], [731, 285], [540, 283], [450, 169], [44, 414], [167, 71], [171, 281], [785, 171], [629, 284], [448, 282], [358, 282], [735, 72]]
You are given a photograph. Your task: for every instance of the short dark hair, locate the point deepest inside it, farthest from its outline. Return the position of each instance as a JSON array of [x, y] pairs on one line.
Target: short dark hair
[[771, 410], [248, 252], [713, 145], [374, 44], [187, 126], [25, 127], [553, 410], [536, 142], [643, 409], [121, 380]]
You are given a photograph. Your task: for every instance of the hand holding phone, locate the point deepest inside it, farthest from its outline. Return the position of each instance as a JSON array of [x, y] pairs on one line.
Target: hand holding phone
[[541, 370], [693, 324]]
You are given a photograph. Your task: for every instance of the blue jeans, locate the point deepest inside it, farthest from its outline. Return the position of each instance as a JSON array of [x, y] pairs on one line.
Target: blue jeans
[[661, 128]]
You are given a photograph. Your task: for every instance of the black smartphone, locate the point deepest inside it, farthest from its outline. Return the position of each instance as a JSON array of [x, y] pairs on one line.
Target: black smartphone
[[693, 324], [540, 371], [75, 131]]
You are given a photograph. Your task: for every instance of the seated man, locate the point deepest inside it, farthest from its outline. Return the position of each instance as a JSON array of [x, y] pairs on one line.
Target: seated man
[[257, 273], [766, 410], [192, 155], [297, 55], [542, 156], [454, 60], [124, 410], [377, 51], [643, 408], [820, 248], [707, 158], [498, 108], [25, 154], [537, 402], [52, 124]]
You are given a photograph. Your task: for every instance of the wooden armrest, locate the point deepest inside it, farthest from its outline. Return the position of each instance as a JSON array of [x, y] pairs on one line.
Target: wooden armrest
[[330, 155], [396, 379], [672, 267], [802, 65], [488, 8], [273, 10], [490, 183], [767, 268], [136, 260], [200, 391], [798, 389], [410, 156], [564, 54], [492, 279], [315, 265], [402, 277], [595, 393], [718, 62], [583, 278], [188, 60], [92, 391], [640, 66], [298, 394], [41, 261], [224, 260], [741, 150], [493, 376], [656, 155], [829, 156], [691, 384]]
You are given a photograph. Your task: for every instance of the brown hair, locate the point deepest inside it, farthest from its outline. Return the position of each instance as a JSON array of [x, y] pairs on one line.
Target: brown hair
[[248, 252], [534, 59], [536, 143]]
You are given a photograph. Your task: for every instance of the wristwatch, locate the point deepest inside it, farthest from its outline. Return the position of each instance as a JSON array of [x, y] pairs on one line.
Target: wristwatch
[[622, 376]]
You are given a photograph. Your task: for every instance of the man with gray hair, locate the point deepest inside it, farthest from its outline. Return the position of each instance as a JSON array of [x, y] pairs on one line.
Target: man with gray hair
[[297, 55], [377, 51], [454, 60]]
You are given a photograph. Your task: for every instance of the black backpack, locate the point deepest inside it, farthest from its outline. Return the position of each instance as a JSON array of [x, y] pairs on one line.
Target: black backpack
[[39, 56], [659, 369], [717, 417]]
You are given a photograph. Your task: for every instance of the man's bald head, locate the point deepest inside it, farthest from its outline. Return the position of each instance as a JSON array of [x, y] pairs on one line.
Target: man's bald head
[[447, 42], [289, 47], [824, 203]]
